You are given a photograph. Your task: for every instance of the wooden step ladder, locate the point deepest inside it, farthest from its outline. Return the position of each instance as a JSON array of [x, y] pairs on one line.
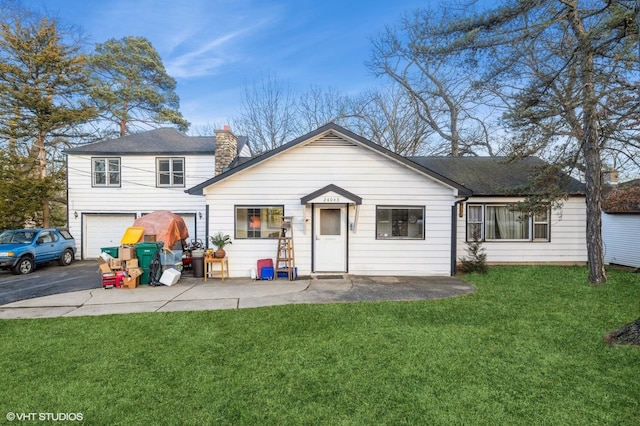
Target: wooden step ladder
[[285, 259]]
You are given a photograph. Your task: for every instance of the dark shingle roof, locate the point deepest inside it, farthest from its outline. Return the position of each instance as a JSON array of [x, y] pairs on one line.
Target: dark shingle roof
[[164, 141], [491, 175]]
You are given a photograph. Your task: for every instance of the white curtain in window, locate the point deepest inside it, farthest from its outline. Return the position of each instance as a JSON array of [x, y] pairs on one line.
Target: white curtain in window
[[505, 224]]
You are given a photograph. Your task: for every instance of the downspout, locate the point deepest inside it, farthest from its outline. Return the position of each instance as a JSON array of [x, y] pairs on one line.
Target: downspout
[[454, 236]]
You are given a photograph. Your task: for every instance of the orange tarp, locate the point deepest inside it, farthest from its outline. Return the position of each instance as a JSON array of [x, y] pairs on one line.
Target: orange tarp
[[166, 226]]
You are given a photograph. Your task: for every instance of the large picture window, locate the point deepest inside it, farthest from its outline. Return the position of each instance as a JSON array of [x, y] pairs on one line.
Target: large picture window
[[400, 223], [170, 172], [258, 221], [105, 171], [502, 223]]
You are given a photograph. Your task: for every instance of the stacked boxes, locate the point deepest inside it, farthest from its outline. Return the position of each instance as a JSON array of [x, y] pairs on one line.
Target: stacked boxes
[[119, 267]]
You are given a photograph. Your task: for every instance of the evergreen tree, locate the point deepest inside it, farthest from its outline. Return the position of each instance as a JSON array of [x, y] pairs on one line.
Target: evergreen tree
[[42, 81], [132, 87], [476, 261]]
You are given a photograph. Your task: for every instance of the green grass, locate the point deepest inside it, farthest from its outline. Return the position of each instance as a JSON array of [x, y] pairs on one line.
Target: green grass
[[527, 348]]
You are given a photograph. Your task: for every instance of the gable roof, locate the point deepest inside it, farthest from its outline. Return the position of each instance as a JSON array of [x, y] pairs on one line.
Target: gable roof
[[330, 128], [163, 141], [491, 176], [331, 189]]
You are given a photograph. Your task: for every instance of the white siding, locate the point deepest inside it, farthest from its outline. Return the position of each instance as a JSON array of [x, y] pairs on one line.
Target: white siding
[[291, 175], [138, 193], [620, 234], [567, 244]]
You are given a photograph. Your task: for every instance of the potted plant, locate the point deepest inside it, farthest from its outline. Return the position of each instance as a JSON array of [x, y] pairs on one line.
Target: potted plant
[[220, 240]]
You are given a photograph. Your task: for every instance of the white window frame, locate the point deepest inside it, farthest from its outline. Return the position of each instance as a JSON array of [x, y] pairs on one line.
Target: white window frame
[[533, 221], [171, 173], [107, 172]]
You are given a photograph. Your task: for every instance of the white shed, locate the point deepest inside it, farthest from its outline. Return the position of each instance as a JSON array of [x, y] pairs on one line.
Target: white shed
[[620, 232]]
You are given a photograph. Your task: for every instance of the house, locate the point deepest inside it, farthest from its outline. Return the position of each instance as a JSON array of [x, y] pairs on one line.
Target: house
[[113, 182], [621, 222], [356, 207]]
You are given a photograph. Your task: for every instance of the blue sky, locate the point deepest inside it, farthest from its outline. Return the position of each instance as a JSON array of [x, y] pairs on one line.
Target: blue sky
[[212, 47]]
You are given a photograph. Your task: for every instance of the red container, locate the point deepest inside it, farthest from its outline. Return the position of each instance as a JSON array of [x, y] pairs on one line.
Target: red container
[[119, 278], [108, 281], [264, 263]]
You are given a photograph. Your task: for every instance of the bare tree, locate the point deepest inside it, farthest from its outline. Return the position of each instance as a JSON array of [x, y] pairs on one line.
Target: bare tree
[[389, 118], [316, 107], [447, 100], [268, 115]]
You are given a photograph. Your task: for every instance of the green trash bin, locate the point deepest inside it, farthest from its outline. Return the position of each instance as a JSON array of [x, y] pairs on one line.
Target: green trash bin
[[145, 253], [111, 251]]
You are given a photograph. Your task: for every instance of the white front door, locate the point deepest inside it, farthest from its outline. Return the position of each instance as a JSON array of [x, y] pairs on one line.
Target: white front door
[[330, 238]]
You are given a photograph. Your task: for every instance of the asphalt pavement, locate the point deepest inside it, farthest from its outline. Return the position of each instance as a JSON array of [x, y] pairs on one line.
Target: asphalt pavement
[[192, 294]]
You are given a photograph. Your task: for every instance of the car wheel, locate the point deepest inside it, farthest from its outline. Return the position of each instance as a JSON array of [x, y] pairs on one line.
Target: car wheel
[[24, 266], [66, 258]]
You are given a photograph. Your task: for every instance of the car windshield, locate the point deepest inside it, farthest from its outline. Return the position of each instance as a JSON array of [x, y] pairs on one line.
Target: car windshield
[[23, 237]]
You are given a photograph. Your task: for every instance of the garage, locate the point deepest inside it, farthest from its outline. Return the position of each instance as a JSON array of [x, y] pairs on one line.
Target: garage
[[103, 230], [190, 221]]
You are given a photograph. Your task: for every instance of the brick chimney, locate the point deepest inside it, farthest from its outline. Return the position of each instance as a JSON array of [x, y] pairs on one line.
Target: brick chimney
[[610, 177], [226, 148]]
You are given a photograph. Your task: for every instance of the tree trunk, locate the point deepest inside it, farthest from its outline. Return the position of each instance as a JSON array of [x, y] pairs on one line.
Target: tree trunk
[[591, 152], [42, 165]]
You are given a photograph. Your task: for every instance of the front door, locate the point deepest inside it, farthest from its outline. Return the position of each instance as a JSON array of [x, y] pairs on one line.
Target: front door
[[330, 238]]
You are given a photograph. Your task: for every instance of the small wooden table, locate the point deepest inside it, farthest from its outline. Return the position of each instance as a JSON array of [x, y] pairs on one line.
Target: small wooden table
[[209, 261]]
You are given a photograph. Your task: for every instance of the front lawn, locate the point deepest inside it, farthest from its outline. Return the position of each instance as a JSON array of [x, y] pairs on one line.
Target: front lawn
[[527, 348]]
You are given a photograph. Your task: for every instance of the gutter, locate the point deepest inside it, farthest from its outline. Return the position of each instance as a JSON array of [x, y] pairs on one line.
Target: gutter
[[454, 236]]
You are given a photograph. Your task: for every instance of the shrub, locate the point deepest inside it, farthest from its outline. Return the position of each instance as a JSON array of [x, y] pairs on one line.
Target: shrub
[[476, 260]]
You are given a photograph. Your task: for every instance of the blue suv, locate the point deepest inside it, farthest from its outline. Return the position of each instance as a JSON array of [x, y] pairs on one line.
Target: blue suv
[[22, 249]]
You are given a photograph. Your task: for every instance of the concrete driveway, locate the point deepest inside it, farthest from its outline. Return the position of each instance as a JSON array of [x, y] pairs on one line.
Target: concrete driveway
[[191, 294]]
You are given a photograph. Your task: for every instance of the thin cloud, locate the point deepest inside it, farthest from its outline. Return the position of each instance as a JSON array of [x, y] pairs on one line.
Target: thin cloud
[[204, 60]]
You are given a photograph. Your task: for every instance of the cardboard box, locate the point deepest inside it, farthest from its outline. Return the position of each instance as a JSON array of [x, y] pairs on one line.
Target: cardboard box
[[104, 268], [127, 253], [134, 272], [132, 263], [115, 264], [130, 282], [149, 238]]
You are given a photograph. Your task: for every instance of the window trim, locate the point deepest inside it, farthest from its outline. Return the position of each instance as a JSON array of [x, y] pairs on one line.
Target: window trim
[[106, 172], [254, 206], [171, 172], [422, 237], [531, 224]]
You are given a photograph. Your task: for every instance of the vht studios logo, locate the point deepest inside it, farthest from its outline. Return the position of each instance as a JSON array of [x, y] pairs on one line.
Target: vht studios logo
[[51, 417]]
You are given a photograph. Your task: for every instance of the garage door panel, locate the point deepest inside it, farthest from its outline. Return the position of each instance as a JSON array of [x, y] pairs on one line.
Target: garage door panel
[[190, 222], [103, 230]]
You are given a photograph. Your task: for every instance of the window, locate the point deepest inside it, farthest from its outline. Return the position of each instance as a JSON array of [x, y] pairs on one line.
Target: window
[[502, 223], [170, 172], [541, 226], [258, 221], [400, 223], [106, 172], [47, 237], [474, 223]]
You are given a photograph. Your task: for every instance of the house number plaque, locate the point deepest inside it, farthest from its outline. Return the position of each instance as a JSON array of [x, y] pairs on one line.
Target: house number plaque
[[330, 199]]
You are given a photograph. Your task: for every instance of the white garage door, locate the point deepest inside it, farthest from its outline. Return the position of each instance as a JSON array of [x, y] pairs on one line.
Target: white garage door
[[190, 221], [102, 230]]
